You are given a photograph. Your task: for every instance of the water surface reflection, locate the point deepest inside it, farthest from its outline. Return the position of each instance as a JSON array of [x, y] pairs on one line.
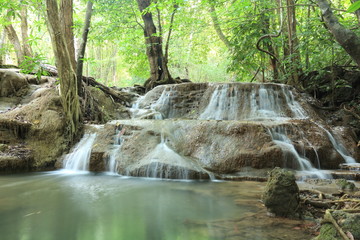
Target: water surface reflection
[[43, 206]]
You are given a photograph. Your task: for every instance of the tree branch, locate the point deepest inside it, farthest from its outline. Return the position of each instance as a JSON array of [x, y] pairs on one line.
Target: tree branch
[[170, 30]]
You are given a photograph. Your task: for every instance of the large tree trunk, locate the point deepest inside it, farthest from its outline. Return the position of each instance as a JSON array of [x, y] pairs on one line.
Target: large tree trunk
[[154, 50], [81, 52], [14, 39], [293, 44], [348, 40], [66, 18], [24, 32], [68, 85]]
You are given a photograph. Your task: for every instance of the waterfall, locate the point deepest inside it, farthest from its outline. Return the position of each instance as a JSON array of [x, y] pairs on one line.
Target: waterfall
[[164, 162], [280, 138], [78, 159], [112, 164], [223, 104], [338, 146], [256, 102]]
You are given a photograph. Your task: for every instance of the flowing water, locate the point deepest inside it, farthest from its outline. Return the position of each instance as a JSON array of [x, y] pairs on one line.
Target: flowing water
[[43, 206], [78, 159]]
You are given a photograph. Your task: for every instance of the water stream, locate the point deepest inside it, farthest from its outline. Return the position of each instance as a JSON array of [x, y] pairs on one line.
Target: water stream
[[270, 106], [78, 159], [58, 206]]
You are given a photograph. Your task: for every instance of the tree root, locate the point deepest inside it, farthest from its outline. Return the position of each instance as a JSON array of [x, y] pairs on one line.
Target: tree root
[[328, 218]]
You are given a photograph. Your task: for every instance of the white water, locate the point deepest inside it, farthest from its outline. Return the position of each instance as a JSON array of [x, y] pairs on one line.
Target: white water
[[164, 162], [112, 163], [280, 138], [230, 102], [223, 104], [78, 159], [338, 146]]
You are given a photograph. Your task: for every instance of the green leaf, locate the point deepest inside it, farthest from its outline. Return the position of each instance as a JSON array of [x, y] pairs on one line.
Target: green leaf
[[353, 7]]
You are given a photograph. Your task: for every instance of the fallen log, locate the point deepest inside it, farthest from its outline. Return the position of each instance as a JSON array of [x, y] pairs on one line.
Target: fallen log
[[118, 96]]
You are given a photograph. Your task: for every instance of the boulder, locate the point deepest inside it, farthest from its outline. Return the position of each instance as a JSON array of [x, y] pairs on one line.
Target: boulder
[[12, 84], [281, 196]]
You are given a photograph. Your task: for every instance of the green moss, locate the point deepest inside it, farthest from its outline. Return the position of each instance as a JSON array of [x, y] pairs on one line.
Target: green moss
[[345, 185], [328, 232], [281, 195], [3, 147]]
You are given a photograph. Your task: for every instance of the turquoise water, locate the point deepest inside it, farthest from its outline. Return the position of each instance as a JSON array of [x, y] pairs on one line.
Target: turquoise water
[[55, 205]]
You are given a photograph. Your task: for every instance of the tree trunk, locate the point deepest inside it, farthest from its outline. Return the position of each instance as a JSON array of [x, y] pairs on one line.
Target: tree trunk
[[14, 39], [269, 46], [24, 32], [348, 40], [68, 85], [2, 43], [81, 52], [216, 25], [159, 72], [293, 43], [66, 18]]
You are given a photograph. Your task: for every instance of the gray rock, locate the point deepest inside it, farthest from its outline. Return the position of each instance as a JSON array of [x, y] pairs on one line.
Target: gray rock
[[281, 196]]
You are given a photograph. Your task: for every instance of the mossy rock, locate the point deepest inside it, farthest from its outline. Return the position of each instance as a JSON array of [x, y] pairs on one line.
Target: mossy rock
[[281, 196], [349, 222], [345, 185], [3, 147]]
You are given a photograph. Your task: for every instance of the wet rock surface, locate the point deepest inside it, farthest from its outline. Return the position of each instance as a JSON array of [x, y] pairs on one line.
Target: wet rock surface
[[218, 147], [281, 194]]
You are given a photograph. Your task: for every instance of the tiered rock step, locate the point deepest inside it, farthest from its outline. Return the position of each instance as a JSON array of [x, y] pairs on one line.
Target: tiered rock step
[[14, 156], [208, 146]]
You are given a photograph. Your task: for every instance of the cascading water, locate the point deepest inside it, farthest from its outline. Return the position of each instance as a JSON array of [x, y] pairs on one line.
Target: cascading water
[[260, 102], [115, 151], [195, 147], [338, 146], [223, 104], [164, 162], [78, 159], [292, 157]]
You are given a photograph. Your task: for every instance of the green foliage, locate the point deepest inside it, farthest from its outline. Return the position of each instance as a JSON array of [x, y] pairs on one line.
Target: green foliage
[[354, 7], [33, 65], [116, 48]]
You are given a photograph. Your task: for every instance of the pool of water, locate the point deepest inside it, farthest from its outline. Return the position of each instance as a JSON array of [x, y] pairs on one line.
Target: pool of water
[[58, 205]]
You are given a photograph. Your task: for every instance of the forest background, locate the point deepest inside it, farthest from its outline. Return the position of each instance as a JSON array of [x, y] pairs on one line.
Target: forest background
[[208, 40]]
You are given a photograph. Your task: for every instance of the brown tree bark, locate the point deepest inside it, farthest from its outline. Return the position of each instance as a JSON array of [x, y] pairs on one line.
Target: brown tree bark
[[27, 51], [68, 85], [159, 72], [216, 25], [66, 18], [2, 42], [14, 39], [347, 39], [81, 52], [294, 66]]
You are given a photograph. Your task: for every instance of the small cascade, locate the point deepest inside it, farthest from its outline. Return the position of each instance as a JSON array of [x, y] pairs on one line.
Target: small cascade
[[112, 163], [78, 159], [252, 102], [154, 111], [338, 146], [223, 104], [265, 104], [293, 105], [163, 162], [292, 157]]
